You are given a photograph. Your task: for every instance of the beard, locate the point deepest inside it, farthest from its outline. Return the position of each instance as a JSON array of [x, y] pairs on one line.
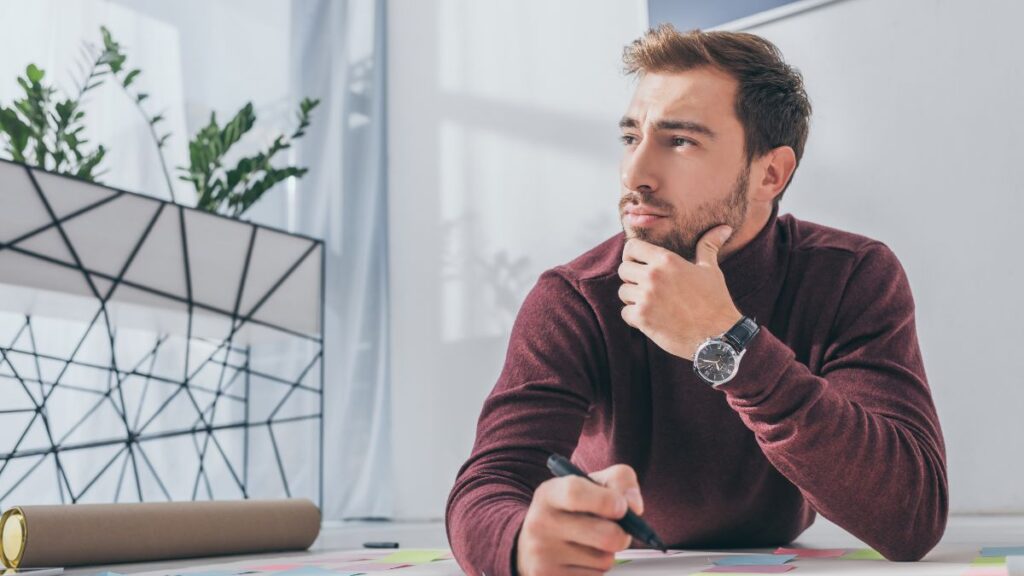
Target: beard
[[687, 229]]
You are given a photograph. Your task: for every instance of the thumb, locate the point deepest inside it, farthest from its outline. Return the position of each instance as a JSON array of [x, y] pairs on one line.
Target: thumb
[[711, 243]]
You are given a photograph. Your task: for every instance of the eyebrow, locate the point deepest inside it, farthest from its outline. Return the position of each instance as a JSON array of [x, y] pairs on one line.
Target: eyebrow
[[671, 124]]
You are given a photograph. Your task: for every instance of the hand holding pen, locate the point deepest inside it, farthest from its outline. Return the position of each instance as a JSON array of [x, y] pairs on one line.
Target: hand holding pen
[[576, 521]]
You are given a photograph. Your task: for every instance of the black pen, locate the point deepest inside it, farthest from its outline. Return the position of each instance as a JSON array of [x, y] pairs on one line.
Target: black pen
[[633, 525]]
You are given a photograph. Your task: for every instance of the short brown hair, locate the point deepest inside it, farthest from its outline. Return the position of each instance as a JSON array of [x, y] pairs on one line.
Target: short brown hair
[[771, 102]]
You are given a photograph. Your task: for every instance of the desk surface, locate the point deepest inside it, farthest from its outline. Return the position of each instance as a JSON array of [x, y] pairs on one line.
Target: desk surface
[[965, 536]]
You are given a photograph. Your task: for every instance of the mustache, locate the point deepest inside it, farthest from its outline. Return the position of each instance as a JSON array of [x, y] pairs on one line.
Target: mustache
[[647, 199]]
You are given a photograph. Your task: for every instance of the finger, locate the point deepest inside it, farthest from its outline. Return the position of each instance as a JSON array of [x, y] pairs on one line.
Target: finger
[[710, 244], [629, 315], [629, 293], [598, 534], [637, 250], [622, 479], [588, 558], [575, 494], [631, 272]]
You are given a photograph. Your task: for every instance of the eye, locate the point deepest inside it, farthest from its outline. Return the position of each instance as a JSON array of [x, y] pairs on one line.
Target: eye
[[627, 139], [680, 141]]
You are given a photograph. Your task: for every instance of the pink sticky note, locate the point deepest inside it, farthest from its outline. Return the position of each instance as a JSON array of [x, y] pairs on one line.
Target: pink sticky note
[[273, 567], [365, 566], [986, 571], [773, 569], [813, 552]]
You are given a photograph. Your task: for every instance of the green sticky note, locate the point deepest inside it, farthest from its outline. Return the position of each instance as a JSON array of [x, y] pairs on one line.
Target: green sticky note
[[621, 560], [989, 561], [413, 557], [862, 554]]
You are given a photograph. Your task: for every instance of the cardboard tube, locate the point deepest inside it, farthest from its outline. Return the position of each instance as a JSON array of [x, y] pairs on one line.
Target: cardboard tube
[[87, 534]]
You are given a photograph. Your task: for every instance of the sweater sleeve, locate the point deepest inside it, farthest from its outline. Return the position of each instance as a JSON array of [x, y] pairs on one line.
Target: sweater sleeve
[[861, 438], [538, 406]]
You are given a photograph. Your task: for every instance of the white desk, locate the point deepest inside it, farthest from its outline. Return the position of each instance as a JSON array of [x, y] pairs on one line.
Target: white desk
[[965, 536]]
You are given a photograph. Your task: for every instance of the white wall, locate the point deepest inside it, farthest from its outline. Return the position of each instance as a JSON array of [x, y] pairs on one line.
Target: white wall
[[917, 140], [503, 162]]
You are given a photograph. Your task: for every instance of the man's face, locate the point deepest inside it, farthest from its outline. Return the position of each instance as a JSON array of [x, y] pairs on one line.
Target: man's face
[[684, 170]]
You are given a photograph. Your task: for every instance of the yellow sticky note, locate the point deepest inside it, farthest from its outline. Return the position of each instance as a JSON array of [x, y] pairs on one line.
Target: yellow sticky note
[[413, 557], [988, 561], [863, 554]]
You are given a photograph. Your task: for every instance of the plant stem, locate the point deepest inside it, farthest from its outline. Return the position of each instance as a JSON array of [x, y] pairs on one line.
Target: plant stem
[[61, 127], [156, 141]]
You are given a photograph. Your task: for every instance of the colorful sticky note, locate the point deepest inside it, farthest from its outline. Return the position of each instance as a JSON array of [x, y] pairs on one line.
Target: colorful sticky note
[[366, 566], [754, 559], [989, 561], [814, 552], [776, 569], [621, 561], [415, 556], [1003, 551], [314, 571], [273, 567], [863, 554]]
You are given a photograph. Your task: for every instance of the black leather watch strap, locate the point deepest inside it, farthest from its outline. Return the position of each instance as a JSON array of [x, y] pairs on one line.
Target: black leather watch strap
[[740, 335]]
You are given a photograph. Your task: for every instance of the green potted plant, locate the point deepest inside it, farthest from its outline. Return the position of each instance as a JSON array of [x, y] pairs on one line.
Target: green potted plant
[[46, 129]]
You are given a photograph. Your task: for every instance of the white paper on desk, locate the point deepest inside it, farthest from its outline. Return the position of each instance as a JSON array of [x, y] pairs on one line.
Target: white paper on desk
[[1015, 565]]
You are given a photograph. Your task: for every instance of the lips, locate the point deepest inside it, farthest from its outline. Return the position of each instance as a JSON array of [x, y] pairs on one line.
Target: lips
[[641, 215]]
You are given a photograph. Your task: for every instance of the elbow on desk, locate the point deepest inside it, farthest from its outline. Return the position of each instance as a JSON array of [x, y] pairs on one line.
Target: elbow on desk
[[916, 541]]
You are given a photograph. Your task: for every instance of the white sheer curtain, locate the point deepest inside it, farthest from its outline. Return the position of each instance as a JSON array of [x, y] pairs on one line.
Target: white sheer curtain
[[338, 54]]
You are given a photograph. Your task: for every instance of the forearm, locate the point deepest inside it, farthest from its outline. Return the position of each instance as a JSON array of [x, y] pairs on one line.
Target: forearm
[[483, 520], [863, 447]]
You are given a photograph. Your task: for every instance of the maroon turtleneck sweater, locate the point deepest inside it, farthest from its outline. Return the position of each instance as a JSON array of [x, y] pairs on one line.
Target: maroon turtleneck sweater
[[829, 413]]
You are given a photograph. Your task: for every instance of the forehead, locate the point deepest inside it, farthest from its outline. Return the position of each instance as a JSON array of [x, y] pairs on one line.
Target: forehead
[[705, 94]]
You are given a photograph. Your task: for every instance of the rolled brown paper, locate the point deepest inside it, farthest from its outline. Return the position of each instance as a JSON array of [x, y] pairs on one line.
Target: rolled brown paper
[[89, 534]]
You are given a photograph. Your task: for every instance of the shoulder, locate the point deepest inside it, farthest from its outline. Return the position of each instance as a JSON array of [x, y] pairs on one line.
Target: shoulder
[[601, 261], [805, 236]]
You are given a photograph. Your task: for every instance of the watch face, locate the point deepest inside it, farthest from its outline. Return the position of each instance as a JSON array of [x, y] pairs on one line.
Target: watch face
[[715, 362]]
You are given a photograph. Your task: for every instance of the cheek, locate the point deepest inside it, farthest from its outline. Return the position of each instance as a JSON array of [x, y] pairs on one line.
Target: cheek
[[691, 183]]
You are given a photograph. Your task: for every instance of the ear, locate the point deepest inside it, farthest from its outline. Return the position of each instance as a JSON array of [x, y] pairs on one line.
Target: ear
[[773, 173]]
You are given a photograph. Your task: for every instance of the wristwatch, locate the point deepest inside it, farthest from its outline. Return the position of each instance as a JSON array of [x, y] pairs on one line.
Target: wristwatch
[[717, 360]]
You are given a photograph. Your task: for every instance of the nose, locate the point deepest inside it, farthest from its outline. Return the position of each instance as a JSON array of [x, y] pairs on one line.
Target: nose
[[638, 168]]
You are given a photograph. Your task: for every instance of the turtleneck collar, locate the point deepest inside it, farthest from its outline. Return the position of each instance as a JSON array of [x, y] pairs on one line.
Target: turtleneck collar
[[747, 269]]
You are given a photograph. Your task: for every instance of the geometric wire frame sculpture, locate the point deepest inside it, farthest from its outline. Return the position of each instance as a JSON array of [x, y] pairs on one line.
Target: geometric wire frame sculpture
[[150, 351]]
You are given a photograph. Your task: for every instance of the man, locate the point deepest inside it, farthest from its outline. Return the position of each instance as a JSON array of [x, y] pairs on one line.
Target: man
[[727, 372]]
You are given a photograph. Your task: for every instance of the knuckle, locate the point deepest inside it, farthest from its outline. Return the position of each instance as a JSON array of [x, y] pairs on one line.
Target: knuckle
[[623, 472], [612, 506], [574, 491]]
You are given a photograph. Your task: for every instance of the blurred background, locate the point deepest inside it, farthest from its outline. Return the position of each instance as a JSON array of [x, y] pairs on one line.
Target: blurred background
[[462, 147]]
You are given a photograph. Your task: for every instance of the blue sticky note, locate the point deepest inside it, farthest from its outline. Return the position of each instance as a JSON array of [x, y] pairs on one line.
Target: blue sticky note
[[755, 560], [1003, 551]]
